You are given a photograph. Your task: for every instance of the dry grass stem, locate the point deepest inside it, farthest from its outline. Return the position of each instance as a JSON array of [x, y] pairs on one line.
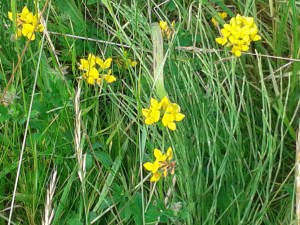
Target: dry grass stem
[[77, 135], [49, 211]]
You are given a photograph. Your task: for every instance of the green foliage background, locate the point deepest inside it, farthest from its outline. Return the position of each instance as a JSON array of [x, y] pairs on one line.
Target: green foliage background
[[235, 150]]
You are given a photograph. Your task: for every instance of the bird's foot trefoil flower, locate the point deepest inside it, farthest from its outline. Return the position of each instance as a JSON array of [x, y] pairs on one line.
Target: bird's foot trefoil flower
[[238, 34], [166, 30], [27, 23], [162, 166], [168, 112], [94, 75]]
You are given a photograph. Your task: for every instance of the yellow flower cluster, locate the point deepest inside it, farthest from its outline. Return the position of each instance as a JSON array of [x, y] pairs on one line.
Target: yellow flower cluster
[[27, 23], [170, 113], [223, 15], [238, 34], [162, 164], [91, 73], [167, 32]]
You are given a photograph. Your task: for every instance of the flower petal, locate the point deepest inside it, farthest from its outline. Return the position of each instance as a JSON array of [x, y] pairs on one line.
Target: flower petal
[[154, 103], [25, 10], [10, 16], [155, 114], [163, 25], [99, 81], [164, 102], [99, 62], [165, 172], [169, 153], [179, 117], [167, 118], [93, 72], [90, 80], [145, 112], [172, 126], [110, 78], [155, 177], [160, 157], [84, 64], [27, 28], [149, 121], [107, 63], [155, 166], [256, 38], [148, 166], [31, 36]]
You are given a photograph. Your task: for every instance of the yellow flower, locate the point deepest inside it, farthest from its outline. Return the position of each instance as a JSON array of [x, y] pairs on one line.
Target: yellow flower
[[125, 62], [91, 73], [24, 12], [163, 25], [162, 164], [221, 41], [84, 64], [159, 156], [104, 64], [169, 154], [238, 34], [87, 64], [152, 167], [28, 31], [164, 102], [155, 177], [109, 77], [27, 22], [35, 23], [152, 115], [170, 111], [90, 80], [171, 115], [225, 32], [167, 32], [236, 50], [10, 16]]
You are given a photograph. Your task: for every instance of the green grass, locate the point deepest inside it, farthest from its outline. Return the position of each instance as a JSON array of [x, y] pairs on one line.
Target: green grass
[[235, 149]]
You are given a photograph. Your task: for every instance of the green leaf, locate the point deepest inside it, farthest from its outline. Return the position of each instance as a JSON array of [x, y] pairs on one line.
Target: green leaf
[[185, 38], [74, 220], [92, 216], [88, 161], [152, 214], [136, 208], [171, 6], [70, 12], [104, 158], [91, 2], [4, 115], [97, 145]]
